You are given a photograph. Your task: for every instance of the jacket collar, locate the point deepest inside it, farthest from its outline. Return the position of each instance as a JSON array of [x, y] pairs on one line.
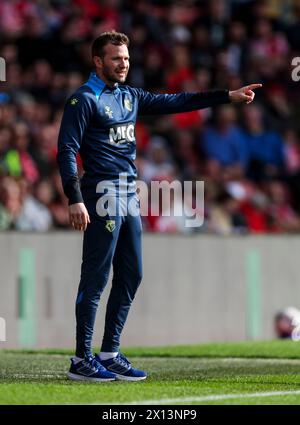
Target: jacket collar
[[97, 85]]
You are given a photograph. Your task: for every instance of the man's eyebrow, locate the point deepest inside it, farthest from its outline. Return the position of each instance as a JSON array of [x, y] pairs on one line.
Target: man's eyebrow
[[118, 57]]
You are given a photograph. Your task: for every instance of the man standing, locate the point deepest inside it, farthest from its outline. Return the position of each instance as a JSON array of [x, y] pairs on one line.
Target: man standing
[[98, 122]]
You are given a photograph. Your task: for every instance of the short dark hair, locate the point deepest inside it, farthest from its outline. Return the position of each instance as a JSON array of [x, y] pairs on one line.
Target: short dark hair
[[109, 37]]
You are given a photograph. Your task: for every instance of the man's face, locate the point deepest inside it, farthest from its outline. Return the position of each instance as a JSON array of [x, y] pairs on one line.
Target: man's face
[[115, 63]]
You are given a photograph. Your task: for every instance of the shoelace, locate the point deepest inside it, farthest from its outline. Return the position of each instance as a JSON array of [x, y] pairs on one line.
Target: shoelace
[[124, 362], [93, 364]]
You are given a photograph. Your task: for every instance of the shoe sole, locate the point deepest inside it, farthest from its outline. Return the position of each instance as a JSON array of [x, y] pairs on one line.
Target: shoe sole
[[129, 378], [75, 377]]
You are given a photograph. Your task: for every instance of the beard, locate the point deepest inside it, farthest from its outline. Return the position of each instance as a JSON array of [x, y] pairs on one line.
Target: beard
[[113, 76]]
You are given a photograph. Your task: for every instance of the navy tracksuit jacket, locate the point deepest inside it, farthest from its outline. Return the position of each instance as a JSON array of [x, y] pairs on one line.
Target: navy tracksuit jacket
[[99, 123]]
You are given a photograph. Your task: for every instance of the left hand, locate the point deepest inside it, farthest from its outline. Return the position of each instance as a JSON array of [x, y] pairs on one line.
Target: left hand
[[244, 95]]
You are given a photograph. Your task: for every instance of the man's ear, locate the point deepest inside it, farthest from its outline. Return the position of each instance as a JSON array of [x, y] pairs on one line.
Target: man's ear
[[98, 61]]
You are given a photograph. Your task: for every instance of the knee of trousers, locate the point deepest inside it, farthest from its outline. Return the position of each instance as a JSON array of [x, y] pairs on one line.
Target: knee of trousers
[[94, 274], [131, 282], [136, 279], [132, 287]]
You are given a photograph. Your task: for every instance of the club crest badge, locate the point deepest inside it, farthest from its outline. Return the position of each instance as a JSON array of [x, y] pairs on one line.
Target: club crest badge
[[128, 104], [110, 225], [73, 101], [108, 111]]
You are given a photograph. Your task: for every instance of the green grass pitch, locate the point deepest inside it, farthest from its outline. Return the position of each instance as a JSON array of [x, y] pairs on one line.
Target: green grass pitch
[[223, 373]]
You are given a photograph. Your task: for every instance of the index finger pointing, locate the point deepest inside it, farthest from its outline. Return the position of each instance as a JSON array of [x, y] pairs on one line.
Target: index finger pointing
[[254, 86]]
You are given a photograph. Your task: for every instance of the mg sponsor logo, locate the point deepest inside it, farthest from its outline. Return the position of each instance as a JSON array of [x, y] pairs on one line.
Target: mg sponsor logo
[[121, 134]]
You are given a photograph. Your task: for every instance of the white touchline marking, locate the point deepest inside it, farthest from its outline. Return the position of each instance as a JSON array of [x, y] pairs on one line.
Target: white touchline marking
[[216, 397], [32, 376], [258, 360]]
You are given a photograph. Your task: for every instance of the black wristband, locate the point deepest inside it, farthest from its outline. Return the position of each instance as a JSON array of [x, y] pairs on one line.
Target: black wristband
[[72, 190], [221, 96], [213, 98]]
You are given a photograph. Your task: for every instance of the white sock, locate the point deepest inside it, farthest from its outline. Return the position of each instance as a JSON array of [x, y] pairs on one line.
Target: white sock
[[77, 359], [106, 355]]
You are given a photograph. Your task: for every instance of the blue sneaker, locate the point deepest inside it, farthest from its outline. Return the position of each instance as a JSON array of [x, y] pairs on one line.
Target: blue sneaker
[[89, 369], [122, 368]]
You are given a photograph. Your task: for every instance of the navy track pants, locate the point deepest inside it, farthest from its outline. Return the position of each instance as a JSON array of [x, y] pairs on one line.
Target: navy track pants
[[108, 241]]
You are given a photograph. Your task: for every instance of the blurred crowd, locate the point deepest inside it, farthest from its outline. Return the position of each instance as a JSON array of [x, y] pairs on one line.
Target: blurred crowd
[[248, 156]]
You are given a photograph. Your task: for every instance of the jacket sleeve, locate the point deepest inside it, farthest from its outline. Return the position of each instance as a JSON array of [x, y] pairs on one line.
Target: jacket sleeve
[[76, 117], [150, 103]]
